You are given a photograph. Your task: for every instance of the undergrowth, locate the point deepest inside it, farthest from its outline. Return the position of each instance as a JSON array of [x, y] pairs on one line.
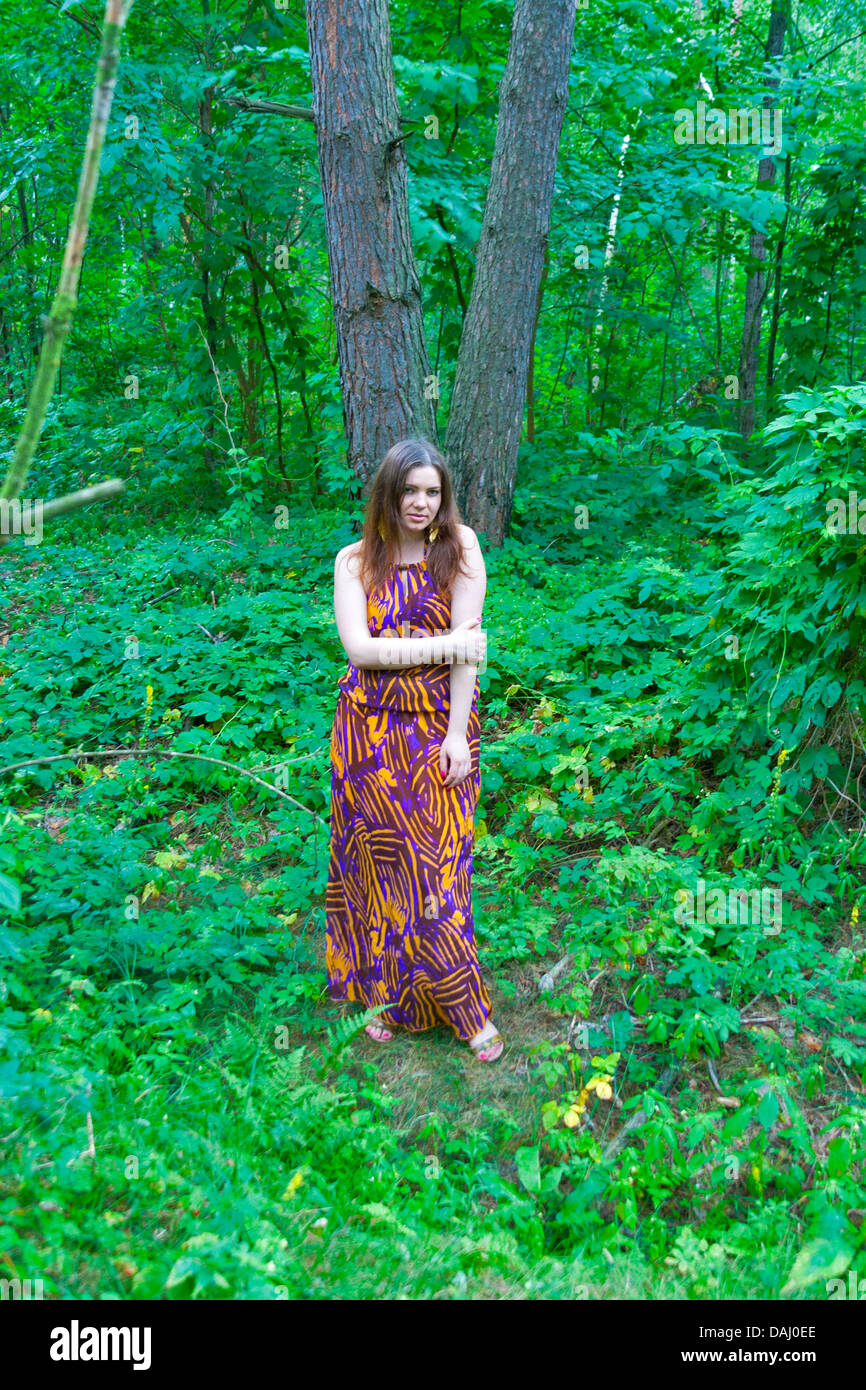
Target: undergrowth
[[669, 866]]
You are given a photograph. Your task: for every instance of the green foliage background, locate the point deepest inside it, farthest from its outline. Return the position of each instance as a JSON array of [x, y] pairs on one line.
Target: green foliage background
[[674, 695]]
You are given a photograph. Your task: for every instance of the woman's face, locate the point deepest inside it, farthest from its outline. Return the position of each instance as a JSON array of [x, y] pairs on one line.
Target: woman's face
[[422, 493]]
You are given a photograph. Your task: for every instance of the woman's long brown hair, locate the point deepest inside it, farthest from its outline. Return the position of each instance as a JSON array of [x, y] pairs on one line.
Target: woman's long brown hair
[[445, 554]]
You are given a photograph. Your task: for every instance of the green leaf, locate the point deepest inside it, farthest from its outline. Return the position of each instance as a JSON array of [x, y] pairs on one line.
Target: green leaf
[[10, 894], [768, 1110], [838, 1156], [528, 1168], [820, 1259]]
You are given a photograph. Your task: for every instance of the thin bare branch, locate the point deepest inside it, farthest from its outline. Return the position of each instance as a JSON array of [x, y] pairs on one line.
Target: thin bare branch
[[81, 754]]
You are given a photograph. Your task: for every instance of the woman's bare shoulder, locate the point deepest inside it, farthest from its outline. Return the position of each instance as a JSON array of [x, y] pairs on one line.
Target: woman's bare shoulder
[[347, 554], [471, 549]]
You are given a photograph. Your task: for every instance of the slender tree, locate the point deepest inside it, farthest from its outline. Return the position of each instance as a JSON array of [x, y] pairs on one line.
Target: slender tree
[[756, 282], [59, 321], [489, 392]]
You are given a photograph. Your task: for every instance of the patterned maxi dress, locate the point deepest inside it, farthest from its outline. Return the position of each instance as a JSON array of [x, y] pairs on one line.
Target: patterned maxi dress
[[399, 928]]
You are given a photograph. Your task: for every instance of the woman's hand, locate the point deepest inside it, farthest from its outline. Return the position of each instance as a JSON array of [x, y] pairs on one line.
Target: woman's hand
[[455, 759]]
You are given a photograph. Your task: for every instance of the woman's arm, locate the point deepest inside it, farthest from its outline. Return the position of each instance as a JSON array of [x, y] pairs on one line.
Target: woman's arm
[[380, 653], [467, 600]]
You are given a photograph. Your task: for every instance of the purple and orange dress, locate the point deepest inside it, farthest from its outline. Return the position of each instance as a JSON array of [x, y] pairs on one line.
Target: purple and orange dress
[[399, 927]]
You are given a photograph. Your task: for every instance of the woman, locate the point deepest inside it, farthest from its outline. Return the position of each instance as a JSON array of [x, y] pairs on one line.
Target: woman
[[404, 759]]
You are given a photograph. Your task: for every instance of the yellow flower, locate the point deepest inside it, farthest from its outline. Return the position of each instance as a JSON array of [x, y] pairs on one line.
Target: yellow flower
[[777, 776], [574, 1112], [294, 1184], [601, 1086]]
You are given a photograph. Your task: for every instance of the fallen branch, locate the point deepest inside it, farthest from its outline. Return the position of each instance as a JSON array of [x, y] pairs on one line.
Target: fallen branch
[[71, 502], [57, 506], [273, 767], [82, 754], [550, 976]]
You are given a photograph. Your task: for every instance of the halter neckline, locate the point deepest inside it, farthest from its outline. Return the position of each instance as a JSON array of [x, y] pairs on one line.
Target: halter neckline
[[415, 562]]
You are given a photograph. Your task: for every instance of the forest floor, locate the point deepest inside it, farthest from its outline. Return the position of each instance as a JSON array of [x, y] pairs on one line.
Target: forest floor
[[187, 1115]]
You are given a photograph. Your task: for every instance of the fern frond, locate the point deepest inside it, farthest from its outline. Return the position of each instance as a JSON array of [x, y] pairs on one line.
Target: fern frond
[[343, 1031]]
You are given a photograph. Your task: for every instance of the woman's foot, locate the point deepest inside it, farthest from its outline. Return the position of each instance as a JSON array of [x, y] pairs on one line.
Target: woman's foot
[[487, 1045], [378, 1032]]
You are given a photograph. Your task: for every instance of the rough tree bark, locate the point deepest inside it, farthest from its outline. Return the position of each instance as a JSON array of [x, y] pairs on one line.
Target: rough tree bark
[[375, 289], [490, 381], [756, 282], [530, 375]]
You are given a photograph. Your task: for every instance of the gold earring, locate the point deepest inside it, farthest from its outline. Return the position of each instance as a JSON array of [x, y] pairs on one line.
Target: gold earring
[[381, 530], [434, 532]]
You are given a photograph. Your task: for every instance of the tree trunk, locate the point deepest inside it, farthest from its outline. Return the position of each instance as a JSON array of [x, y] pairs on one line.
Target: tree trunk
[[777, 286], [29, 311], [530, 375], [294, 326], [490, 381], [375, 289], [251, 397], [719, 281], [205, 116], [755, 284], [609, 248]]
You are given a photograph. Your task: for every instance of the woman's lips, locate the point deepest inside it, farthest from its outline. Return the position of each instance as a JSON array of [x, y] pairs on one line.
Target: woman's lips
[[413, 516]]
